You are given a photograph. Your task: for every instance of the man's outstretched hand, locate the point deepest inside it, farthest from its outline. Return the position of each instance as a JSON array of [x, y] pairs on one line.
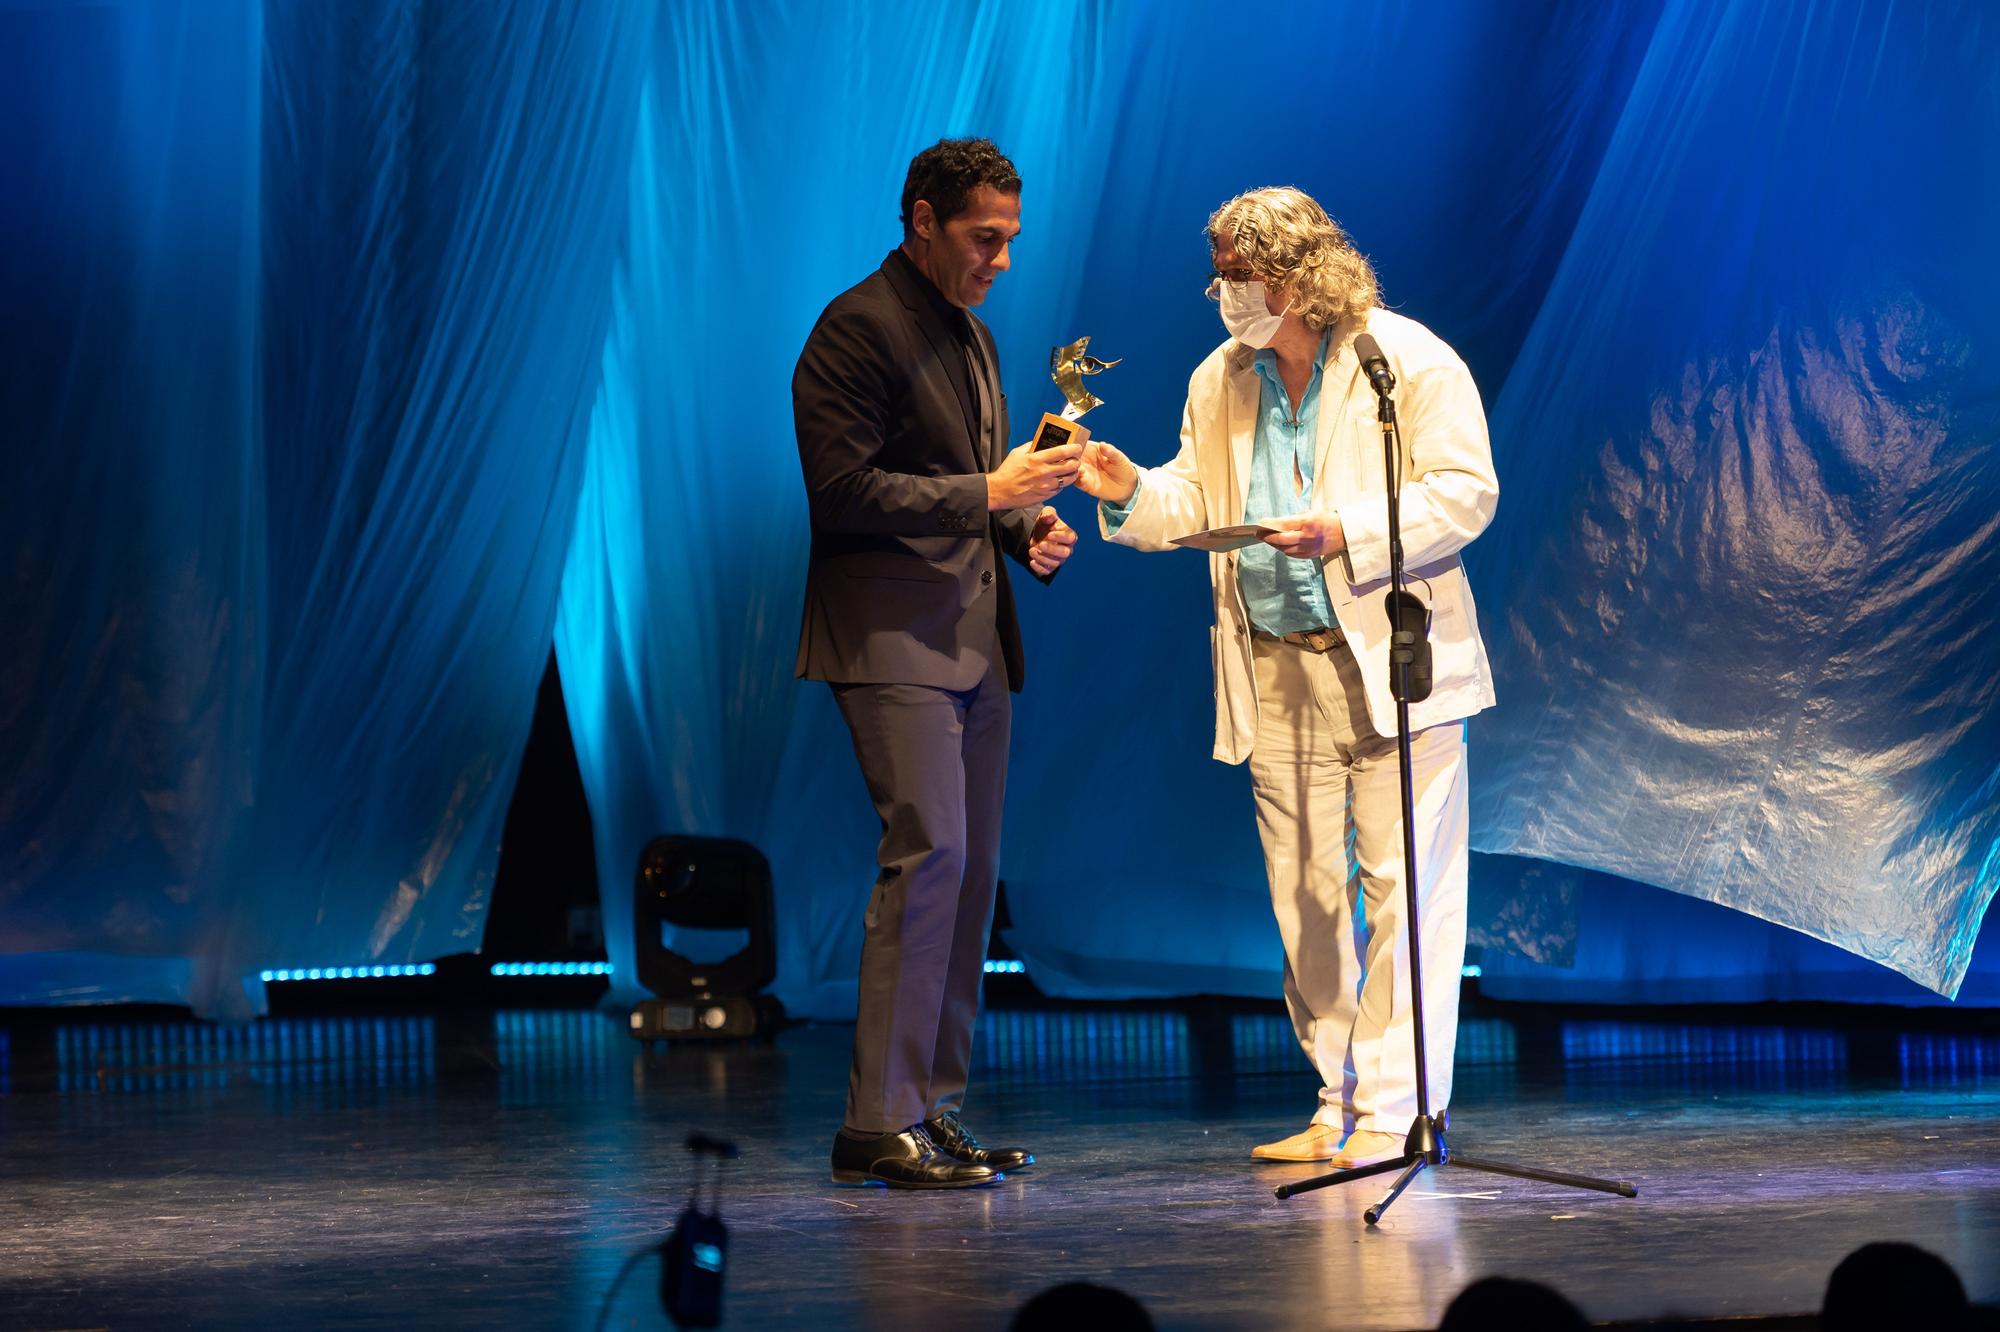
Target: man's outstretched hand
[[1107, 474]]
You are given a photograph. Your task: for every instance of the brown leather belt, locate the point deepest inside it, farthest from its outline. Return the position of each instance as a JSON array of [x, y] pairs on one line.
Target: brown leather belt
[[1312, 640]]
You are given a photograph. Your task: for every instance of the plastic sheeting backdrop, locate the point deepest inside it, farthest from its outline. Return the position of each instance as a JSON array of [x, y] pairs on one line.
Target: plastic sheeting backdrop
[[351, 352]]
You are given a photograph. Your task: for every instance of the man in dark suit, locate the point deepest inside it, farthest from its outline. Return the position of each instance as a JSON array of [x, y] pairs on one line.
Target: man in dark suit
[[914, 496]]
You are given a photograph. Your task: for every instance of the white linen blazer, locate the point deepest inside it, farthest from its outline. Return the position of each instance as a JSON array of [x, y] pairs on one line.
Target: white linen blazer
[[1448, 497]]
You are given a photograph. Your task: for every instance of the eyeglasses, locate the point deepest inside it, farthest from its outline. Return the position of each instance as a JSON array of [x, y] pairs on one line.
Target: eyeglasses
[[1216, 279]]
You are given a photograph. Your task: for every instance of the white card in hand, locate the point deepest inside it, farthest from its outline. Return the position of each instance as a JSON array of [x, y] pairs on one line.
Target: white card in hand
[[1226, 538]]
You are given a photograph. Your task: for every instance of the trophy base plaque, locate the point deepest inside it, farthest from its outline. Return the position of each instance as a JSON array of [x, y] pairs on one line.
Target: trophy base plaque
[[1055, 431]]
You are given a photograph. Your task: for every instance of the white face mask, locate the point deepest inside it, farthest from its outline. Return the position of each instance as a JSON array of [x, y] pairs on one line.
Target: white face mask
[[1246, 315]]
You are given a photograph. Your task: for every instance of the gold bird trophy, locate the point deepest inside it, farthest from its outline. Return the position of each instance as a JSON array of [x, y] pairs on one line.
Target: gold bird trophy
[[1067, 366]]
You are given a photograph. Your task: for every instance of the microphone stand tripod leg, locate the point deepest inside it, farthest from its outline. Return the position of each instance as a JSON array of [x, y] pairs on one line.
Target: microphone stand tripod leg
[[1374, 1214], [1623, 1188]]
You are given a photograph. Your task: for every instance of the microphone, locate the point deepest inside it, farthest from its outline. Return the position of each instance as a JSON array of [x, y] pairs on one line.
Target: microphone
[[1374, 364]]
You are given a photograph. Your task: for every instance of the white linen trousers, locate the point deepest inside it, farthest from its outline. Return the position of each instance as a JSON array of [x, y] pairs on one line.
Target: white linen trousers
[[1329, 813]]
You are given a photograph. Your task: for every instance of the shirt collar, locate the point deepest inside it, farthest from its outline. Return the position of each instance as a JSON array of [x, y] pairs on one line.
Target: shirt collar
[[953, 317], [1266, 360]]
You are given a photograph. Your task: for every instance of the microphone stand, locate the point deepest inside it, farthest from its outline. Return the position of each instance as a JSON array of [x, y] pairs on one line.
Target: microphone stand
[[1410, 681]]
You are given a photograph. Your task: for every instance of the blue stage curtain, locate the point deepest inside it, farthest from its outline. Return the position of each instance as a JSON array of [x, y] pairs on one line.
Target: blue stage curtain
[[1627, 943], [766, 178], [1742, 578], [131, 517], [311, 300], [328, 328]]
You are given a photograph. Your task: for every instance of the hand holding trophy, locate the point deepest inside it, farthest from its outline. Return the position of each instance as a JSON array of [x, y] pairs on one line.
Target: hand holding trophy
[[1052, 459]]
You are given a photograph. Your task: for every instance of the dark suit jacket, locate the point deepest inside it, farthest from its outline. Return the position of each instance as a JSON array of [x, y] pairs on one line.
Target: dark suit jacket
[[905, 584]]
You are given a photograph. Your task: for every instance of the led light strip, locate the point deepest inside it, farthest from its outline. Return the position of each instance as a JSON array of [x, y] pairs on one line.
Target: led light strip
[[348, 973], [550, 969]]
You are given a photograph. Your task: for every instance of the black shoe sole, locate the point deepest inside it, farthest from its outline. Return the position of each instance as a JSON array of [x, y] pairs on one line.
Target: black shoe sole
[[1022, 1165], [862, 1179]]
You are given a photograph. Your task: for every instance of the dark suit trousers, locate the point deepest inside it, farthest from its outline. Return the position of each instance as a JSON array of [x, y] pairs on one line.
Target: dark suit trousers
[[935, 761]]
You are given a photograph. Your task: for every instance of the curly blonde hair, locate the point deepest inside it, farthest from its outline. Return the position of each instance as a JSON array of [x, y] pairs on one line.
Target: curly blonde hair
[[1288, 240]]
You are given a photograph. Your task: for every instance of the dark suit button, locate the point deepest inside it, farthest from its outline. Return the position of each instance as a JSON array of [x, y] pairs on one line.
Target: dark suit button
[[986, 577]]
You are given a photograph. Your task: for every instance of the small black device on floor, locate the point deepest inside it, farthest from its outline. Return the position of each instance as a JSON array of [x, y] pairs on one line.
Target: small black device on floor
[[719, 886], [696, 1254]]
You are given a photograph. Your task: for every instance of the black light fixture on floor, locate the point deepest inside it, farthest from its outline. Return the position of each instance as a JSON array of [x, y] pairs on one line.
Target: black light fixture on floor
[[716, 894]]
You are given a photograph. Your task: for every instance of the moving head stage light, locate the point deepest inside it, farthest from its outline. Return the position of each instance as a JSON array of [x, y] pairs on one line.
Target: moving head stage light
[[715, 893]]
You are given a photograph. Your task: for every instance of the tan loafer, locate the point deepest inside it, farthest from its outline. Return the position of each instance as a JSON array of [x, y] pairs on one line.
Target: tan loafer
[[1317, 1143], [1365, 1147]]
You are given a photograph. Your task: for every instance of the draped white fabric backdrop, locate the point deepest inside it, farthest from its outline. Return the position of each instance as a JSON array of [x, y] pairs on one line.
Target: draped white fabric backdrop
[[355, 351]]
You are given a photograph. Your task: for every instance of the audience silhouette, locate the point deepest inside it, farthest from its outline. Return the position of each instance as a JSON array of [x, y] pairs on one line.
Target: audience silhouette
[[1079, 1304], [1505, 1302], [1893, 1285], [1877, 1287]]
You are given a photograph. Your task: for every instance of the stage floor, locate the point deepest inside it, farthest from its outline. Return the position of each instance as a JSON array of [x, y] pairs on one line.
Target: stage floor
[[488, 1168]]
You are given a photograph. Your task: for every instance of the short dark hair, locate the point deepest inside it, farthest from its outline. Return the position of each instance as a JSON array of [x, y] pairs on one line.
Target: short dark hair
[[1891, 1285], [1498, 1301], [946, 173], [1080, 1304]]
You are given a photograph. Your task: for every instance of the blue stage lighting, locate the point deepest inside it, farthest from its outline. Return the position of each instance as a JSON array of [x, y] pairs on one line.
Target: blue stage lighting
[[278, 975], [549, 969]]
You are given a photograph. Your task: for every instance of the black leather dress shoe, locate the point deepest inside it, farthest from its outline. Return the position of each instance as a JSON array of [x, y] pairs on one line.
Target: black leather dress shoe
[[953, 1140], [905, 1160]]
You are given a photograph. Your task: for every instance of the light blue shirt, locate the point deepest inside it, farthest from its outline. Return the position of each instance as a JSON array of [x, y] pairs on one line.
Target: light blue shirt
[[1284, 595]]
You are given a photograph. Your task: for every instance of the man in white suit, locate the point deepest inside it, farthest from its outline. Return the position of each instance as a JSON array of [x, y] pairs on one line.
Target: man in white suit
[[1280, 428]]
